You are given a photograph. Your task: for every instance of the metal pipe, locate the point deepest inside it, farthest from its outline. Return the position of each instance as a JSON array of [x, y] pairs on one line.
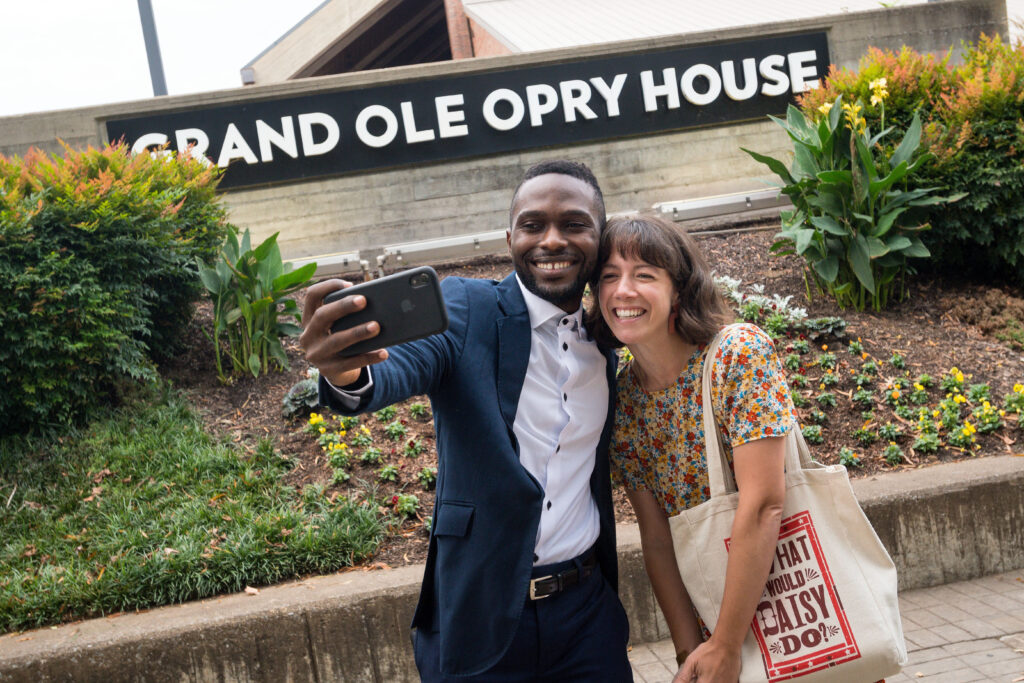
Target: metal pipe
[[156, 66]]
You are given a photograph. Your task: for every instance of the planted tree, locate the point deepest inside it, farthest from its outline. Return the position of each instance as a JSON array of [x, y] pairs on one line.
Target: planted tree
[[250, 289]]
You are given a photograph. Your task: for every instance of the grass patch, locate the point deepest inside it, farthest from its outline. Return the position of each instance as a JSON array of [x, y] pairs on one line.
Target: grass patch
[[143, 508]]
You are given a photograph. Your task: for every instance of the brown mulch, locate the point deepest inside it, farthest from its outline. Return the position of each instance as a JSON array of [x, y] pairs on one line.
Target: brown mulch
[[936, 327]]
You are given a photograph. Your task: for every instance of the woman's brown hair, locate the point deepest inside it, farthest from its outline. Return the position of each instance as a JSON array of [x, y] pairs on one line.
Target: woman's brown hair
[[701, 308]]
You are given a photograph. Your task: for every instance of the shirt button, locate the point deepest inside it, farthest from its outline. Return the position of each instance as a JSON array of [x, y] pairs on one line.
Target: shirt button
[[565, 397], [549, 505], [565, 321], [558, 448], [565, 347], [535, 557]]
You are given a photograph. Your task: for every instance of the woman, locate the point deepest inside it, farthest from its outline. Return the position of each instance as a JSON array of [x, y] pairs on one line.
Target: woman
[[657, 297]]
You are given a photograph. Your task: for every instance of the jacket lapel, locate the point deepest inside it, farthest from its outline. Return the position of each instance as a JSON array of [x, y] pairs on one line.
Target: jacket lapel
[[513, 348]]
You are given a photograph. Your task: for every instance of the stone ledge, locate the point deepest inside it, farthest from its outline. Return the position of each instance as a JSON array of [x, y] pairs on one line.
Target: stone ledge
[[941, 524]]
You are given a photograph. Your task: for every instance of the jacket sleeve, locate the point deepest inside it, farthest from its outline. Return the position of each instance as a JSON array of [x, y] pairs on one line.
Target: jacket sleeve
[[417, 367]]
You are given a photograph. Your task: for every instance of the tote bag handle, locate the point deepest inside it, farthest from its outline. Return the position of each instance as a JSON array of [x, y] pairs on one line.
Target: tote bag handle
[[720, 479]]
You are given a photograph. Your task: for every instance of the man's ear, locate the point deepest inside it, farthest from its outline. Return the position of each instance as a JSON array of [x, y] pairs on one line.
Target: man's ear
[[508, 239]]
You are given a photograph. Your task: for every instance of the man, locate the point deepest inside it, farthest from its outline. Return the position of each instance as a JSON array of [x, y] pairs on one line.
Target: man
[[521, 571]]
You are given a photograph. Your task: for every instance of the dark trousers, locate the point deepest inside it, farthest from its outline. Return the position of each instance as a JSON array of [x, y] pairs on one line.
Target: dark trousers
[[579, 634]]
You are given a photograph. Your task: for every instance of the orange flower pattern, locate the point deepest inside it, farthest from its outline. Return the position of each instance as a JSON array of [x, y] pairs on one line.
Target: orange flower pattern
[[658, 439]]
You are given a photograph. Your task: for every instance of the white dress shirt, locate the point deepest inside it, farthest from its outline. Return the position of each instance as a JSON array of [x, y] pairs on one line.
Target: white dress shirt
[[559, 419], [561, 414]]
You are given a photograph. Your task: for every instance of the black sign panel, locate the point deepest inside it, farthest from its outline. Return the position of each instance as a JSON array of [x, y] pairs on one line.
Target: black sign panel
[[461, 116]]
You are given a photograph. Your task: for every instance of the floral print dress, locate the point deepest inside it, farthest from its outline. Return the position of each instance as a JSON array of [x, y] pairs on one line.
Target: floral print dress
[[658, 439]]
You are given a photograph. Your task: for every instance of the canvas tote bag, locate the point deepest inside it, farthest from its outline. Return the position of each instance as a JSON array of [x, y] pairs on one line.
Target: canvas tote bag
[[829, 610]]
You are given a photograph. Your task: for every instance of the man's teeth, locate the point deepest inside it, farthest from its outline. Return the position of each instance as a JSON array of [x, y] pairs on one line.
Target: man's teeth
[[628, 312], [556, 265]]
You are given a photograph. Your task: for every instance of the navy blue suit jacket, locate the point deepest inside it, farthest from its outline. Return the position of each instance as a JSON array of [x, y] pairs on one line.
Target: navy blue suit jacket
[[488, 507]]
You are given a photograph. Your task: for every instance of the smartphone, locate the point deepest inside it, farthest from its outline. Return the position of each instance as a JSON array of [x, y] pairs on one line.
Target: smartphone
[[408, 305]]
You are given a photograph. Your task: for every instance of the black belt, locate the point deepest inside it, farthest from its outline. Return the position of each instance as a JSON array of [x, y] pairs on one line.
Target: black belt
[[545, 586]]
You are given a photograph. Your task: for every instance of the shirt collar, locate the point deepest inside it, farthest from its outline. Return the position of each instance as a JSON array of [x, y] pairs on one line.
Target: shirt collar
[[542, 311]]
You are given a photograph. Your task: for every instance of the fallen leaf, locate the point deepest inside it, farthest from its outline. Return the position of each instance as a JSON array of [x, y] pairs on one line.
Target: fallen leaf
[[249, 590]]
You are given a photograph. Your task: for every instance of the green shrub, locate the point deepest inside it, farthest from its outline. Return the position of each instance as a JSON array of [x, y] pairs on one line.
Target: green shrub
[[971, 115], [98, 274]]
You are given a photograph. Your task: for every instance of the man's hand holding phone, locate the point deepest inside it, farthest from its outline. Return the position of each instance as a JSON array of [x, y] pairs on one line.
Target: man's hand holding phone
[[324, 348]]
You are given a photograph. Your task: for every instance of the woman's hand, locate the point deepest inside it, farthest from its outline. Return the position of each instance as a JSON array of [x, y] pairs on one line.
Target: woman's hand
[[710, 663]]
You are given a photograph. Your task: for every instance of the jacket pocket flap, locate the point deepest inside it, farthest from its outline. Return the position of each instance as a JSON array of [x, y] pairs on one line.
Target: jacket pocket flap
[[453, 519]]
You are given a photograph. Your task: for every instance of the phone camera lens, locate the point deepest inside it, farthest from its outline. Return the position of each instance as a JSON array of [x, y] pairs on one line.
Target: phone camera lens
[[420, 280]]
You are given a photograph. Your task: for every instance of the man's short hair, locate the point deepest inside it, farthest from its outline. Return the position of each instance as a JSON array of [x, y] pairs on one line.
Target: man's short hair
[[573, 169]]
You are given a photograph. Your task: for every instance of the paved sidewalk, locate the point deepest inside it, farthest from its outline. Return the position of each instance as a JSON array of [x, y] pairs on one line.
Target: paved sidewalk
[[957, 633]]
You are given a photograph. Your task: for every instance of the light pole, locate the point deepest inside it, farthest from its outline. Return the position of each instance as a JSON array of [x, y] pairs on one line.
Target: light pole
[[156, 67]]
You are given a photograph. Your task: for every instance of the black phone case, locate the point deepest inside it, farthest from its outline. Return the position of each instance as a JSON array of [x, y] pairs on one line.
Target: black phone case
[[405, 311]]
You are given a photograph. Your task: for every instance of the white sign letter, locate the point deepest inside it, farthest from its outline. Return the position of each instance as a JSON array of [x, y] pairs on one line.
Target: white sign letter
[[540, 99], [284, 141], [749, 88], [610, 94], [306, 123], [798, 73], [235, 147], [390, 126], [446, 116], [409, 123], [771, 71], [667, 89], [151, 140], [492, 118], [714, 84], [575, 95]]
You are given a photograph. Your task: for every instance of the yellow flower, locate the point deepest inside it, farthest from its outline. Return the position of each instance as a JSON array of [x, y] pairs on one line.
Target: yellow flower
[[864, 355], [878, 84], [918, 387], [1002, 413], [968, 429], [895, 393], [342, 432], [825, 108], [954, 370], [986, 405], [322, 430], [935, 413], [959, 398], [1018, 388], [315, 419]]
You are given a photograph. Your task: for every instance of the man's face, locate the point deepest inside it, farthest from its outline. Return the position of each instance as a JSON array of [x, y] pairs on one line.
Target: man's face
[[553, 237]]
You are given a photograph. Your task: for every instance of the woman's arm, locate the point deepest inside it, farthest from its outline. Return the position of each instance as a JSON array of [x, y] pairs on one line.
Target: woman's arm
[[660, 562], [760, 478]]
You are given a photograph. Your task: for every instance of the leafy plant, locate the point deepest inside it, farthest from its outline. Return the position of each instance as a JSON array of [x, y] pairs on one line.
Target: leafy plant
[[386, 414], [889, 432], [371, 456], [893, 454], [864, 380], [963, 435], [361, 437], [798, 400], [852, 221], [869, 367], [302, 397], [395, 430], [817, 417], [339, 476], [848, 458], [792, 362], [987, 417], [864, 397], [813, 434], [387, 473], [978, 393], [347, 421], [952, 381], [798, 380], [1014, 401], [406, 504], [896, 360], [829, 379], [855, 347], [419, 411], [427, 477], [250, 289], [865, 436], [801, 346], [826, 361], [927, 443], [925, 380], [903, 411], [413, 448], [827, 398]]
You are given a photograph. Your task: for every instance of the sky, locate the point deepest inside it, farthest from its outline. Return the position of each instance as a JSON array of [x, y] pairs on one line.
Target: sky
[[60, 54]]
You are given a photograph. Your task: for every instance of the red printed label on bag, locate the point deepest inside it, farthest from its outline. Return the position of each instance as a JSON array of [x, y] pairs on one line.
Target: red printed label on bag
[[800, 624]]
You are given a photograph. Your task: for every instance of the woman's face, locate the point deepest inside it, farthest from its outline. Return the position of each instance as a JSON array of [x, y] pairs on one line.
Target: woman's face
[[637, 299]]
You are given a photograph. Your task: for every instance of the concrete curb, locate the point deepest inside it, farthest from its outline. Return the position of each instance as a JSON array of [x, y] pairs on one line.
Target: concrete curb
[[941, 524]]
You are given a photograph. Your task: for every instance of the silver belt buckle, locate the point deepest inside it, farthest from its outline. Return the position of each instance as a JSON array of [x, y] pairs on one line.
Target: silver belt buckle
[[533, 587]]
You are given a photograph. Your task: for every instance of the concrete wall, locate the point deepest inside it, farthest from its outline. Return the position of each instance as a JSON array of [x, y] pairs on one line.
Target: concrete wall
[[469, 196], [940, 524]]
